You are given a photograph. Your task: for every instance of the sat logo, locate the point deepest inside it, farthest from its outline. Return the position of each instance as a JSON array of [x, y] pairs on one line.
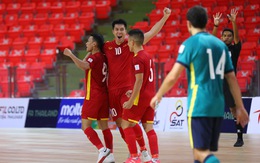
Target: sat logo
[[175, 119]]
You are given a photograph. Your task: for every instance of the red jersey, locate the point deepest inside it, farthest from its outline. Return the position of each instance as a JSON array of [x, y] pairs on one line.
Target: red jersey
[[96, 75], [144, 64], [119, 58]]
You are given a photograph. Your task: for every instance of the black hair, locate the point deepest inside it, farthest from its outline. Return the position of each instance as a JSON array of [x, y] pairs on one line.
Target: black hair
[[99, 39], [137, 35], [119, 21], [229, 30], [198, 17]]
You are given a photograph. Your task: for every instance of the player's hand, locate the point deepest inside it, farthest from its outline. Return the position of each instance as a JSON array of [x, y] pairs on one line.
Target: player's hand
[[155, 102], [233, 111], [242, 116], [167, 12], [67, 52], [128, 93], [233, 15], [128, 104], [217, 17]]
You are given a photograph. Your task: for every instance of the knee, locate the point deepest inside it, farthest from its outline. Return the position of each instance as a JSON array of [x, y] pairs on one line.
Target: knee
[[103, 125], [147, 127], [118, 122]]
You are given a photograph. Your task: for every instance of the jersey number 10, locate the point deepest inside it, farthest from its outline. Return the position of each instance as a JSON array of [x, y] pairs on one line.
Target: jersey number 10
[[220, 67]]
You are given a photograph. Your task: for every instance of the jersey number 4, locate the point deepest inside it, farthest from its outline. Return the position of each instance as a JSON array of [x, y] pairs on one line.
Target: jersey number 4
[[220, 67]]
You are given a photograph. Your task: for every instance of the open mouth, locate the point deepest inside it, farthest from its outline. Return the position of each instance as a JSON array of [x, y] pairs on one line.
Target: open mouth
[[119, 37]]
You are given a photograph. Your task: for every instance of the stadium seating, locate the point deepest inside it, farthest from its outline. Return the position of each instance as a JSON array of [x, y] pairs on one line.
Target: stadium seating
[[77, 93]]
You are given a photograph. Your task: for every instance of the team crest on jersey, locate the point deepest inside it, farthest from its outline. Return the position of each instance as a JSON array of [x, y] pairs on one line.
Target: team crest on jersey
[[181, 49], [125, 45], [110, 48]]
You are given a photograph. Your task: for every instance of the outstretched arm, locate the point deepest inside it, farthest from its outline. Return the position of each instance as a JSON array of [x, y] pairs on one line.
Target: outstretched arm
[[79, 63], [216, 23], [232, 18], [158, 26], [167, 84]]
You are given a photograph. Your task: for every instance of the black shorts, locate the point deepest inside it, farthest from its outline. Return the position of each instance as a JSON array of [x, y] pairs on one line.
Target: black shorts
[[229, 100], [204, 132]]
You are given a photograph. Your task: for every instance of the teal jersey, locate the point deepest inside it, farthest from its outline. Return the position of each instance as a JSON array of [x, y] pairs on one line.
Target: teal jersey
[[206, 59]]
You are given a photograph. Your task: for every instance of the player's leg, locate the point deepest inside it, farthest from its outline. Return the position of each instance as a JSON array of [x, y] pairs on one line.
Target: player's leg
[[239, 129], [130, 141], [116, 109], [153, 143], [108, 138], [139, 137], [230, 102], [201, 138], [103, 117], [90, 111], [147, 122], [94, 139]]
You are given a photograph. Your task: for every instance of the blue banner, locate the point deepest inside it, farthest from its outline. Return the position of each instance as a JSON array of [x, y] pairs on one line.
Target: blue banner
[[228, 124], [70, 113], [42, 113]]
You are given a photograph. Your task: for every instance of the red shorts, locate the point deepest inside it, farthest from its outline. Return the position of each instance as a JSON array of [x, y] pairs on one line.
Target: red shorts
[[141, 112], [96, 109], [117, 98]]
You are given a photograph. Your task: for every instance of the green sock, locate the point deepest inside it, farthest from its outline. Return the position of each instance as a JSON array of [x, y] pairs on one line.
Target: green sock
[[211, 159]]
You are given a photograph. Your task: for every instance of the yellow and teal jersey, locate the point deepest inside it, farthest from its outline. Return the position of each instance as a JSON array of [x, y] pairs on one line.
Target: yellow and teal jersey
[[206, 59]]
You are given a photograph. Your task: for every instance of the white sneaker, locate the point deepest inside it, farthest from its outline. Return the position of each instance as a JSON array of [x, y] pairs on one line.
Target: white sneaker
[[103, 153], [109, 159], [145, 156]]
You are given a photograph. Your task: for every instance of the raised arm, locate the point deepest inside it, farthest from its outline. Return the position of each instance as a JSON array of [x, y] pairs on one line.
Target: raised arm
[[216, 17], [168, 82], [79, 63], [158, 26], [232, 17], [241, 113]]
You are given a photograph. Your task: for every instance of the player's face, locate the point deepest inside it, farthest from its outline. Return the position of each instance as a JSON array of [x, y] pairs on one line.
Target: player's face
[[130, 44], [90, 44], [119, 32], [227, 37]]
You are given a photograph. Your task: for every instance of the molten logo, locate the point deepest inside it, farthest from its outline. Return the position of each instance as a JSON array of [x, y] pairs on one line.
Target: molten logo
[[71, 110]]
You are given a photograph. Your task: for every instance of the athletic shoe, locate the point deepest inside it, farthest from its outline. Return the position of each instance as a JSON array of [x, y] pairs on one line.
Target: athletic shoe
[[155, 160], [109, 159], [239, 143], [145, 156], [103, 153], [133, 160]]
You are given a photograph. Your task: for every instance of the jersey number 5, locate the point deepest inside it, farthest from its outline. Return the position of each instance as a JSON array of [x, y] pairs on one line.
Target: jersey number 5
[[220, 67], [151, 72]]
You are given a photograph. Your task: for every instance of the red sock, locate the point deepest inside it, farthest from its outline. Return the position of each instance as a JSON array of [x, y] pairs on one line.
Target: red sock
[[108, 139], [153, 142], [93, 137], [122, 133], [139, 136], [130, 140]]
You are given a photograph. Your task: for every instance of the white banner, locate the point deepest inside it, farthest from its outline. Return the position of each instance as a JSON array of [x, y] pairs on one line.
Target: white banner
[[176, 116], [160, 114], [254, 123], [13, 112]]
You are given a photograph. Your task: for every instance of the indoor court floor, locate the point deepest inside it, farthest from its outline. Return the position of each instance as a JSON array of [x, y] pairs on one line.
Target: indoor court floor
[[50, 145]]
